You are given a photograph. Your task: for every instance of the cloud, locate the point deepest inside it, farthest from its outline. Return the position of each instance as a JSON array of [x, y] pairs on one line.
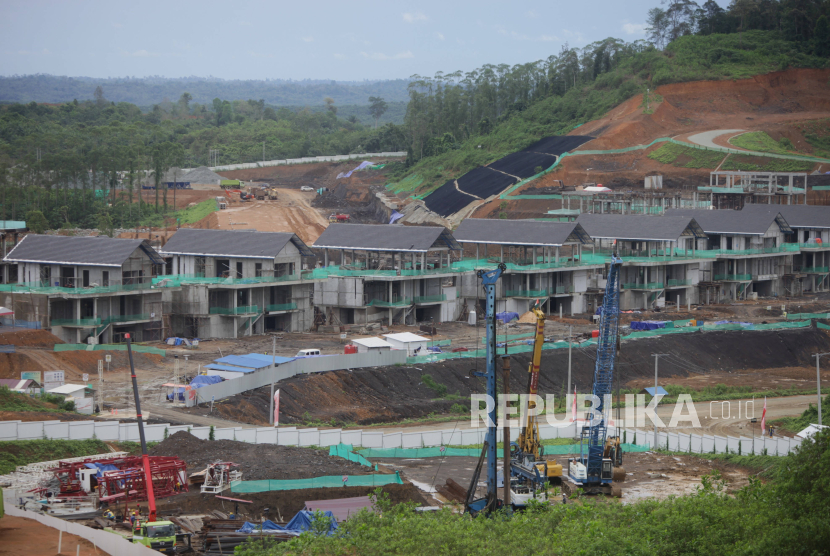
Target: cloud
[[308, 39], [414, 17], [45, 52], [522, 37], [440, 36], [117, 25], [382, 56], [634, 28], [531, 14], [339, 56]]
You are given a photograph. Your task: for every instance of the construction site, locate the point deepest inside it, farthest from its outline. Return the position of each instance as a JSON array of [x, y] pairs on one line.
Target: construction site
[[323, 337]]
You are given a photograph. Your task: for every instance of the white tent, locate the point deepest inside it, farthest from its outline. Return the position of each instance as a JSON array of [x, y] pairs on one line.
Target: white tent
[[811, 430], [412, 343], [4, 311], [366, 345]]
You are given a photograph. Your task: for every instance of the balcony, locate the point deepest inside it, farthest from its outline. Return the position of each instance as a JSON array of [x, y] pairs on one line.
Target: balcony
[[672, 283], [812, 245], [244, 310], [276, 307], [78, 323], [69, 286], [815, 270], [526, 293], [564, 289], [402, 302], [733, 277], [648, 286], [125, 318], [423, 299]]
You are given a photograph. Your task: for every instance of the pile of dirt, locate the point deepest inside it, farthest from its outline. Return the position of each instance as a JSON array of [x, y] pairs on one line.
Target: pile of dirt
[[388, 394], [257, 461], [202, 174], [283, 503], [30, 338]]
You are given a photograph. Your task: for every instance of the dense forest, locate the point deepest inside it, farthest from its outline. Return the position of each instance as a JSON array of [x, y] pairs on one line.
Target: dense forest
[[147, 91], [62, 162]]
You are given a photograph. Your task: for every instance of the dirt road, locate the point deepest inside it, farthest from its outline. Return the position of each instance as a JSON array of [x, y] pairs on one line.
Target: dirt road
[[291, 213]]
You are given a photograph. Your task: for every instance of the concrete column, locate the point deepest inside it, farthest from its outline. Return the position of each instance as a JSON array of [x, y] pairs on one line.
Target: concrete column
[[476, 251], [527, 282], [390, 292], [502, 253], [534, 254], [423, 260]]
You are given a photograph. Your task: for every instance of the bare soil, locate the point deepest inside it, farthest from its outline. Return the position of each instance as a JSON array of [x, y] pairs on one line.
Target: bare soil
[[20, 535], [256, 461]]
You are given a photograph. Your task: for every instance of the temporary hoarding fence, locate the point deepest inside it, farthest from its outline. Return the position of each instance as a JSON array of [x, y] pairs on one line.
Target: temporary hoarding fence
[[373, 480]]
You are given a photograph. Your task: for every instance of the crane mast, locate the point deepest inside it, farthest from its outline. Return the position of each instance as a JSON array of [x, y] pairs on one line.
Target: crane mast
[[595, 470]]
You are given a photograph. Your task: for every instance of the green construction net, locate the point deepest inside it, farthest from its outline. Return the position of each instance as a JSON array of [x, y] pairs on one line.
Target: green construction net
[[574, 449], [108, 347], [373, 480], [799, 316], [420, 452], [660, 332], [823, 326], [346, 451], [510, 337]]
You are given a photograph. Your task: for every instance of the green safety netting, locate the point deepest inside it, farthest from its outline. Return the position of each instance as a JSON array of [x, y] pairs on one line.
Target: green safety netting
[[659, 332], [509, 337], [431, 358], [419, 452], [823, 326], [799, 316], [574, 449], [346, 451], [108, 347], [375, 479]]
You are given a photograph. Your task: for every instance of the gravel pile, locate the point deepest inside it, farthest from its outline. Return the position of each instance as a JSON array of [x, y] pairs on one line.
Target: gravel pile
[[203, 175], [256, 461]]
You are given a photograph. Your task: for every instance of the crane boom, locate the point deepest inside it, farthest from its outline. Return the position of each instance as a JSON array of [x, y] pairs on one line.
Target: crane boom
[[148, 475]]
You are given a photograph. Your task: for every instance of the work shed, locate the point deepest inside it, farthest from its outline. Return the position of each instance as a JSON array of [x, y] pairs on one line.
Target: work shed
[[412, 343], [374, 345]]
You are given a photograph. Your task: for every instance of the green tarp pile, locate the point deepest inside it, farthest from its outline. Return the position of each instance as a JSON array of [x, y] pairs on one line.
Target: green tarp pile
[[108, 347], [574, 449], [799, 316], [240, 487], [346, 451]]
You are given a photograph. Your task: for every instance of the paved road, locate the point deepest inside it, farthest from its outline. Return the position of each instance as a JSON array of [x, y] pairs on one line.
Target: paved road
[[706, 139]]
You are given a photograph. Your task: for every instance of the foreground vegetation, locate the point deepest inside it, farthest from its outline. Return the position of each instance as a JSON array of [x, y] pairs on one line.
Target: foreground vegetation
[[790, 514], [17, 401]]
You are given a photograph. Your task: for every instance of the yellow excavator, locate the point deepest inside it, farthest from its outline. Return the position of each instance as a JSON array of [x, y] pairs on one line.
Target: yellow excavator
[[526, 457]]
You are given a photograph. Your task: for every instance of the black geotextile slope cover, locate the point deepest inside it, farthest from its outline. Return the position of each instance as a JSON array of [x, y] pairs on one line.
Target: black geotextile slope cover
[[523, 163], [558, 144], [483, 181], [447, 200]]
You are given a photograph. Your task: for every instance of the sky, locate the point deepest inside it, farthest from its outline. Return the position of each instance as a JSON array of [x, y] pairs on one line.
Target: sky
[[324, 39]]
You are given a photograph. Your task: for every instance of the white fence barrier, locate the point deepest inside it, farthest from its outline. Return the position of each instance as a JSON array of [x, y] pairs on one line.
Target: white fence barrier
[[292, 436], [308, 159]]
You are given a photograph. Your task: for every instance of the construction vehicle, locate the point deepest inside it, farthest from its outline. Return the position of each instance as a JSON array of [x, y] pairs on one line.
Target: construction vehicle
[[155, 534], [599, 464], [245, 196], [272, 194], [490, 502], [334, 217], [526, 453]]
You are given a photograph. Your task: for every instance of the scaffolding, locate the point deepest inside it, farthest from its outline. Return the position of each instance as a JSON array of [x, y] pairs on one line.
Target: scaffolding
[[732, 190]]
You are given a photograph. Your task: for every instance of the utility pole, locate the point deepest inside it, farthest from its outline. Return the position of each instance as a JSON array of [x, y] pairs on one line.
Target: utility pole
[[263, 151], [506, 439], [657, 357], [273, 366], [570, 339], [818, 383]]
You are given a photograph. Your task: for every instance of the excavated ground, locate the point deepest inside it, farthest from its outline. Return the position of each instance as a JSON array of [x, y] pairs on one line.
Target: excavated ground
[[389, 394]]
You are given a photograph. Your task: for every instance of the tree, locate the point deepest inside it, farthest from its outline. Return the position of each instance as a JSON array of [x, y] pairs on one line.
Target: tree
[[680, 15], [711, 18], [100, 101], [658, 27], [184, 103], [377, 107], [821, 37], [330, 105], [105, 225], [36, 222]]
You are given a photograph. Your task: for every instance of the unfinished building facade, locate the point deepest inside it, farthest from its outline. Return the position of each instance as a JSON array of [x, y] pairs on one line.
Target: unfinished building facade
[[544, 262], [87, 289], [236, 283], [660, 259], [396, 273]]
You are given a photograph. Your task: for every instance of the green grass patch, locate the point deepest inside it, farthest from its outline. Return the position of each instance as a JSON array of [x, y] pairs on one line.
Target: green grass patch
[[766, 465], [686, 157], [17, 401], [761, 142], [817, 134], [745, 163], [24, 452], [193, 214], [810, 416]]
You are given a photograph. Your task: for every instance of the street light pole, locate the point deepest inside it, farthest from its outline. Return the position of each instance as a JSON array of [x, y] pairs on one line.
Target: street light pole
[[818, 383], [657, 357]]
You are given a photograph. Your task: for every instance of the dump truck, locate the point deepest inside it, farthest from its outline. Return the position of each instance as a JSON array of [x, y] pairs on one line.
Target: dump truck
[[334, 217]]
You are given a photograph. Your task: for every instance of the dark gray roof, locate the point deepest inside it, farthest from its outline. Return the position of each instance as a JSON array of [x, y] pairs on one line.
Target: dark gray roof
[[732, 221], [389, 237], [91, 250], [797, 216], [635, 227], [226, 243], [519, 232]]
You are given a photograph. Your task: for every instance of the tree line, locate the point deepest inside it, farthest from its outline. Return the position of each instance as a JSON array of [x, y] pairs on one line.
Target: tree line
[[81, 163]]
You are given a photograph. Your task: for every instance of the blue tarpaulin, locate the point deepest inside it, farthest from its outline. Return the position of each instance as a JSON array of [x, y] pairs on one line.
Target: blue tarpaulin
[[648, 324], [507, 316], [244, 361], [299, 523], [395, 217], [198, 382], [660, 391], [101, 467], [360, 166], [266, 525], [268, 358]]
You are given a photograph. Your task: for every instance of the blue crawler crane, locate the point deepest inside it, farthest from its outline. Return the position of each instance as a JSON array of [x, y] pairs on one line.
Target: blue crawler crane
[[599, 464]]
